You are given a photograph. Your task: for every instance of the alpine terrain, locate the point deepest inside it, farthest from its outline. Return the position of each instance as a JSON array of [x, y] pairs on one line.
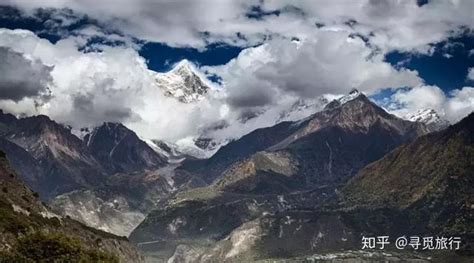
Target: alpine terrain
[[235, 131], [269, 191]]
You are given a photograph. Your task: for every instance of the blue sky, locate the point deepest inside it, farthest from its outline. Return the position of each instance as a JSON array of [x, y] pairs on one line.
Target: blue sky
[[446, 67], [267, 55], [161, 57]]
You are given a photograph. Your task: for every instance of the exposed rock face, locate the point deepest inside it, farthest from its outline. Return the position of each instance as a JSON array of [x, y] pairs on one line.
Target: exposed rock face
[[277, 172], [354, 113], [207, 215], [121, 203], [258, 140], [113, 216], [257, 180], [21, 214], [182, 83], [119, 149], [61, 157], [282, 236]]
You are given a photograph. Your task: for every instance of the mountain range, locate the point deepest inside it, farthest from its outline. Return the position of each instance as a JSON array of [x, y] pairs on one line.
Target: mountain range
[[304, 190], [293, 190], [353, 113], [43, 151]]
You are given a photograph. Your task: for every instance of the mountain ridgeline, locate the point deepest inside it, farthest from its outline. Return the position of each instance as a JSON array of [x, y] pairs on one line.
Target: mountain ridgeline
[[119, 149], [52, 152], [276, 192], [291, 191], [329, 146], [53, 161]]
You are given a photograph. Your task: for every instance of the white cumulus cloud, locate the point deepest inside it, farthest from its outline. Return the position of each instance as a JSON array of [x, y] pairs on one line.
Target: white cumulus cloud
[[332, 63]]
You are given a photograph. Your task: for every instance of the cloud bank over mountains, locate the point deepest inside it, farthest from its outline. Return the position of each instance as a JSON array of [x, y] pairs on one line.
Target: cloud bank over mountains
[[333, 63], [22, 77], [292, 51]]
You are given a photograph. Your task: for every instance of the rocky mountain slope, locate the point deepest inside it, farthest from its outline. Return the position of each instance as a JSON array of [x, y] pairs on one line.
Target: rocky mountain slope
[[121, 203], [60, 156], [235, 151], [291, 166], [433, 177], [351, 114], [106, 181], [118, 149], [423, 188], [54, 161], [30, 232], [133, 184]]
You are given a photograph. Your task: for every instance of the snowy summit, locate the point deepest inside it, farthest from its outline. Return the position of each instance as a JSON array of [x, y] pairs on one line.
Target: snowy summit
[[353, 94], [429, 117], [182, 83]]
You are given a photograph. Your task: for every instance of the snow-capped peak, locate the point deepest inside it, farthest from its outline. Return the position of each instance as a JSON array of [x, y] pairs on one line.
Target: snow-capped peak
[[303, 108], [353, 94], [429, 117], [183, 68], [182, 82]]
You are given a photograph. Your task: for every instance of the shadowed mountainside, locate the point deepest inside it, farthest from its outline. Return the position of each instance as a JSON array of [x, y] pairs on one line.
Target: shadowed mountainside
[[30, 232]]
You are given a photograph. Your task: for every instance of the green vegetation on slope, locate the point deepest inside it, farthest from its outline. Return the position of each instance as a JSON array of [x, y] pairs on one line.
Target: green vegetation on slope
[[41, 246], [30, 233]]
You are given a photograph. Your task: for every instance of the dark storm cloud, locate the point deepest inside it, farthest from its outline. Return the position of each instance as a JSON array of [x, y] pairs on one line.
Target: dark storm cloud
[[252, 97], [83, 102], [22, 78], [90, 106], [120, 114]]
